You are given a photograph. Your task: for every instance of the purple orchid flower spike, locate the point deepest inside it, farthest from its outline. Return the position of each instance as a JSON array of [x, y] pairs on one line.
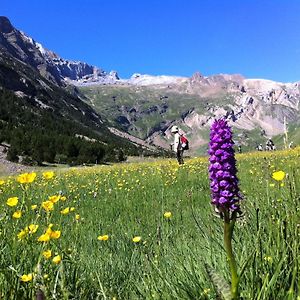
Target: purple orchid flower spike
[[224, 186], [222, 170]]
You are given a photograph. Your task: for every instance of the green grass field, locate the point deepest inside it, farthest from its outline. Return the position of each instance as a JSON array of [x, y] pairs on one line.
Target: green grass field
[[90, 225]]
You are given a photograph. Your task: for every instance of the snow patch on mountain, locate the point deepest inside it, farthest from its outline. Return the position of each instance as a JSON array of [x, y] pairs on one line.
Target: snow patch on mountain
[[41, 48], [48, 63], [145, 79]]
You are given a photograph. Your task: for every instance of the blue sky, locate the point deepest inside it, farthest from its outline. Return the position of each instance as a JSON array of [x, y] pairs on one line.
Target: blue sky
[[258, 39]]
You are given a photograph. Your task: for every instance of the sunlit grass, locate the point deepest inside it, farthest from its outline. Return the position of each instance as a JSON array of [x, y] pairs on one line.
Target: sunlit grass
[[146, 231]]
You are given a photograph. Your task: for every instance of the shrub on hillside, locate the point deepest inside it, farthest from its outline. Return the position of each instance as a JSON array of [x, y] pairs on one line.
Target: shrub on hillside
[[12, 155]]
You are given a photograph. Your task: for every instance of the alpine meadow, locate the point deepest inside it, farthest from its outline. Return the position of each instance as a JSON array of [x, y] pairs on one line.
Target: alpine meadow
[[150, 150], [148, 231]]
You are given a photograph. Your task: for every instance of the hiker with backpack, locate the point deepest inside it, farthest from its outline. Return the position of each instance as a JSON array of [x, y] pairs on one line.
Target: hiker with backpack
[[180, 144]]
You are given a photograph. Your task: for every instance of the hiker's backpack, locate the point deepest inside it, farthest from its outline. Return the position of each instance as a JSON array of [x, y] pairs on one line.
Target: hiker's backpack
[[184, 142]]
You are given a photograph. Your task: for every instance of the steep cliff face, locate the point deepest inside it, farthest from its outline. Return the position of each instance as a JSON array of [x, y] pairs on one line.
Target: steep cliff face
[[49, 64]]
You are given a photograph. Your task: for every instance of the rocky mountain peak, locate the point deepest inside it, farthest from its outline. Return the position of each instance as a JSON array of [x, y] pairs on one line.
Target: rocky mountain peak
[[197, 76], [52, 67], [5, 25], [114, 75]]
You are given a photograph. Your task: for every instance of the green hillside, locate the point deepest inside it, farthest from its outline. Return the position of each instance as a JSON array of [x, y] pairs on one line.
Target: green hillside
[[140, 110], [44, 122]]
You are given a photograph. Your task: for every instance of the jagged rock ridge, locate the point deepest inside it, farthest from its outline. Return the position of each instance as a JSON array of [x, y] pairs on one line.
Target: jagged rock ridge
[[149, 107], [49, 64]]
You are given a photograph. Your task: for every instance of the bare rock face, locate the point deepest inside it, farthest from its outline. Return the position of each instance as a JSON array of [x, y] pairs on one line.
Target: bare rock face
[[49, 64], [5, 25], [248, 104], [197, 77]]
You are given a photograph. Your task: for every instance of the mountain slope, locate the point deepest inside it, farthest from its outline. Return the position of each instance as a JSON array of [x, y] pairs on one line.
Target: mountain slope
[[147, 108], [43, 118], [47, 63]]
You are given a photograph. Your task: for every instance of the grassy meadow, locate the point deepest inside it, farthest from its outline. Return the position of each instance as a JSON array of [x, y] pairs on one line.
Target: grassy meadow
[[148, 231]]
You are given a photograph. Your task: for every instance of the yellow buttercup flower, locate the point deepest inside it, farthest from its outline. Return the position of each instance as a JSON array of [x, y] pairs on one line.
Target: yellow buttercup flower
[[33, 228], [49, 234], [55, 234], [13, 201], [48, 205], [33, 207], [136, 239], [17, 214], [167, 214], [103, 237], [63, 198], [278, 176], [27, 277], [56, 259], [65, 211], [44, 238], [22, 234], [26, 177], [206, 291], [50, 226], [268, 259], [49, 230], [47, 254], [48, 175], [77, 217], [54, 198], [2, 182]]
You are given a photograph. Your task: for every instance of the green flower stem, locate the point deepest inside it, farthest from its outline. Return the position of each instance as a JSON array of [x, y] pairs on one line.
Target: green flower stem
[[228, 232]]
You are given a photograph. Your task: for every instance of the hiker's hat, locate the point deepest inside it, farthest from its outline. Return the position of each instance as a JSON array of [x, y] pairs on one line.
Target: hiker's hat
[[174, 129]]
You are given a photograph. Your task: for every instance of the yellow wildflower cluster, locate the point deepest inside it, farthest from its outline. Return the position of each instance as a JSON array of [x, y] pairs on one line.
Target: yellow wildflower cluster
[[17, 214], [32, 228], [48, 205], [47, 254], [94, 189], [49, 234], [137, 239], [57, 259], [26, 177]]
